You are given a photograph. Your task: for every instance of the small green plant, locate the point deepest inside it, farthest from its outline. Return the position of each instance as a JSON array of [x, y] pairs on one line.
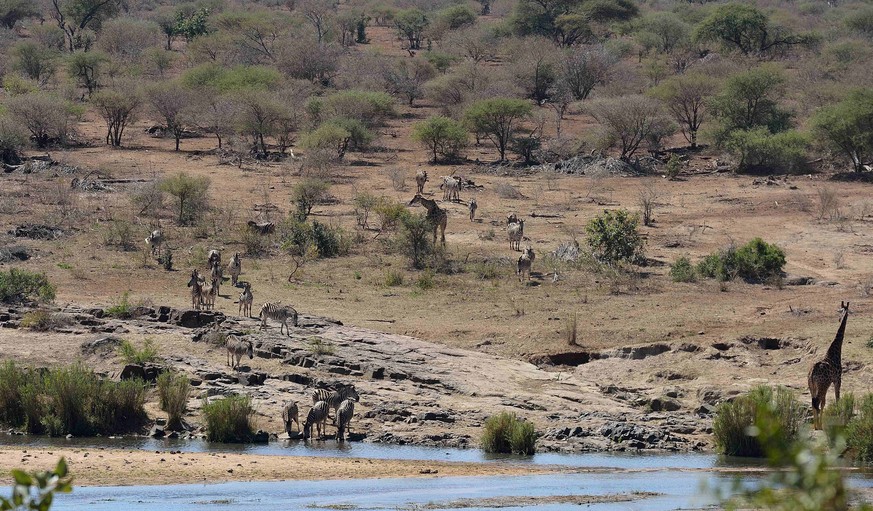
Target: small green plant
[[614, 238], [682, 270], [732, 426], [36, 490], [859, 431], [41, 320], [506, 433], [173, 391], [426, 280], [486, 270], [393, 278], [318, 346], [65, 266], [674, 167], [229, 420], [869, 342], [166, 259], [148, 353], [836, 417], [358, 275], [123, 309], [20, 285]]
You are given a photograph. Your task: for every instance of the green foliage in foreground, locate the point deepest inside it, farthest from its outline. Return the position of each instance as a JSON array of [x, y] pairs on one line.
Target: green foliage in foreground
[[735, 421], [36, 490], [506, 433]]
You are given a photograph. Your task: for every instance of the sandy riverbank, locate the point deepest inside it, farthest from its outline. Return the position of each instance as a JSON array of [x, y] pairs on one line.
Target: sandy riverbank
[[110, 467]]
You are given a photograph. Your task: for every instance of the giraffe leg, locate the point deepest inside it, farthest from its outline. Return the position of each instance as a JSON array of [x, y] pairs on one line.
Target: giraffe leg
[[837, 382], [821, 405]]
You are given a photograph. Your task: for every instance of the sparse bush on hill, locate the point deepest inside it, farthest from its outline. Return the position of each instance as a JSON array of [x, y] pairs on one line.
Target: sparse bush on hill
[[614, 238], [733, 421], [43, 320], [21, 285], [306, 194], [444, 137], [229, 420], [147, 353], [847, 127], [506, 433], [756, 261], [191, 194], [44, 115], [683, 271]]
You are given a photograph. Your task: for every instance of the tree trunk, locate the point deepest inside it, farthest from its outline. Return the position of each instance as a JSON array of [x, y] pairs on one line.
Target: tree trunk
[[693, 139]]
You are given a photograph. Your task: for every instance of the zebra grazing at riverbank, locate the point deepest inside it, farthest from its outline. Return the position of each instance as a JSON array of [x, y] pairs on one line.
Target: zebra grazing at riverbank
[[317, 415], [155, 240], [344, 418], [196, 285], [245, 300], [516, 233], [236, 349], [335, 397], [289, 414], [280, 313], [234, 268]]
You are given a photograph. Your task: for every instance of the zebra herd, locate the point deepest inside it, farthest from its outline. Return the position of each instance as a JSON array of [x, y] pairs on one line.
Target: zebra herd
[[342, 400]]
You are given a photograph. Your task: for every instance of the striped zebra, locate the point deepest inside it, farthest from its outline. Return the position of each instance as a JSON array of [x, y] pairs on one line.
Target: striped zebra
[[317, 415], [207, 293], [335, 397], [213, 257], [236, 349], [525, 261], [420, 180], [234, 268], [280, 313], [289, 414], [516, 233], [344, 418], [217, 276], [196, 286], [155, 240], [245, 300]]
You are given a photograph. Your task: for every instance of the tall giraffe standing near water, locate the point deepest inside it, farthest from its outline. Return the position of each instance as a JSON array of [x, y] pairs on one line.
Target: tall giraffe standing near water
[[828, 370], [435, 215]]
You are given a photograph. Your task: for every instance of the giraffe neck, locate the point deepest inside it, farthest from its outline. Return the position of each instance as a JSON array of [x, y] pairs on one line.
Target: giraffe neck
[[835, 352]]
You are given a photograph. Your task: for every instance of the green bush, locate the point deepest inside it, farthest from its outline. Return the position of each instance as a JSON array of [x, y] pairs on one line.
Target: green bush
[[614, 238], [371, 108], [426, 280], [758, 150], [12, 381], [191, 194], [859, 431], [756, 261], [229, 420], [734, 419], [36, 490], [131, 355], [123, 309], [393, 278], [390, 213], [307, 193], [42, 320], [682, 270], [506, 433], [442, 136], [416, 239], [173, 391], [836, 417], [329, 137], [297, 238], [359, 136], [20, 285]]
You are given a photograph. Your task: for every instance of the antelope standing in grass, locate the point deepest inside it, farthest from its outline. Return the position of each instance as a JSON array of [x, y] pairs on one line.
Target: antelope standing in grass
[[245, 301], [289, 415], [317, 415], [234, 267], [236, 349], [344, 414], [525, 261], [435, 215], [516, 233], [420, 180]]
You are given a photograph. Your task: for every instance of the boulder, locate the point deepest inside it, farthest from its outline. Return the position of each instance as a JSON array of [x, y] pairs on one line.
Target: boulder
[[147, 372], [195, 319]]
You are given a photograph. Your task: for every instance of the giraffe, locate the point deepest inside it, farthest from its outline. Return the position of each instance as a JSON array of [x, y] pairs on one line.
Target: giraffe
[[435, 215], [828, 370]]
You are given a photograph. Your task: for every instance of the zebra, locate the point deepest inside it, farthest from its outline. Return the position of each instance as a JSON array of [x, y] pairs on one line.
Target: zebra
[[289, 414], [344, 418], [525, 261], [155, 240], [207, 293], [317, 415], [420, 180], [335, 397], [234, 268], [217, 276], [263, 228], [196, 286], [213, 257], [473, 208], [236, 349], [245, 300], [451, 188], [511, 218], [279, 313], [516, 233]]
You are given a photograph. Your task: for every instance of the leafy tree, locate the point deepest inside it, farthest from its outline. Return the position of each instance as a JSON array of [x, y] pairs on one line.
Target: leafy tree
[[568, 22], [745, 28], [584, 69], [44, 115], [686, 97], [410, 24], [13, 138], [352, 25], [76, 16], [614, 238], [415, 238], [668, 29], [172, 102], [535, 67], [34, 60], [259, 113], [86, 68], [191, 193], [751, 99], [407, 77], [759, 149], [456, 16], [165, 17], [318, 13], [304, 58], [117, 107], [190, 25], [306, 194], [847, 127], [628, 121], [369, 107], [444, 137], [331, 137], [497, 119], [13, 11], [477, 43]]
